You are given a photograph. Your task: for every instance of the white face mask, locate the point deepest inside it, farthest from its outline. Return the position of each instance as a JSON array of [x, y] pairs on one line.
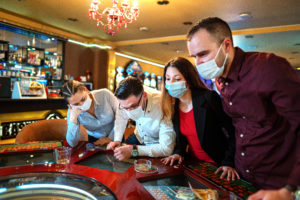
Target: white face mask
[[86, 105], [135, 114], [210, 69]]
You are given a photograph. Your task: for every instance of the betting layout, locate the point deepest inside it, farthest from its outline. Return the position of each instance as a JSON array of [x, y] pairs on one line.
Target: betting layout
[[30, 146], [240, 187]]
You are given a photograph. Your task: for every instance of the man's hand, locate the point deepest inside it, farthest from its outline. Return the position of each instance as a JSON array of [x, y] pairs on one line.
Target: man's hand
[[74, 113], [124, 152], [102, 141], [280, 194], [172, 159], [113, 145], [229, 172]]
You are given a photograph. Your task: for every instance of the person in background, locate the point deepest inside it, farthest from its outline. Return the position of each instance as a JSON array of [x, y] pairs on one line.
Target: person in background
[[134, 69], [198, 118], [94, 110], [260, 92], [152, 136]]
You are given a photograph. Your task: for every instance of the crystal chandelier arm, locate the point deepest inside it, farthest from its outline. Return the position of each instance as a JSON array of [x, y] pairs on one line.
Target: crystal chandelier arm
[[114, 16]]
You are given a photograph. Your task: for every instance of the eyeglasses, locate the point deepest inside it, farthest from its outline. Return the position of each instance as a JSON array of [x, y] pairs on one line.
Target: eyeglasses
[[133, 106]]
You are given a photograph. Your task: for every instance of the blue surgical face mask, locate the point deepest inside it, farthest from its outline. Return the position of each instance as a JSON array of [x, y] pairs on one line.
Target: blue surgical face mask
[[176, 89], [210, 69]]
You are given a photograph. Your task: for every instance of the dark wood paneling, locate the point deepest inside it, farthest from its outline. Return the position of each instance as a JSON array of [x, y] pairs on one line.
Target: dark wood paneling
[[78, 59]]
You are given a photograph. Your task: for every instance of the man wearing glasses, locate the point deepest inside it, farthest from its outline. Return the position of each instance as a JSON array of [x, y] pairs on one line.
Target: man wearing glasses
[[152, 137]]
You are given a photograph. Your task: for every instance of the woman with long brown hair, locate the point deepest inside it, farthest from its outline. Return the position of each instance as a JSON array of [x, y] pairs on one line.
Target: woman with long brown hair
[[198, 119]]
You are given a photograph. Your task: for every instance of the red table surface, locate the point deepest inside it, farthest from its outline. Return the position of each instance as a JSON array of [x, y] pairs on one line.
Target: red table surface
[[124, 185]]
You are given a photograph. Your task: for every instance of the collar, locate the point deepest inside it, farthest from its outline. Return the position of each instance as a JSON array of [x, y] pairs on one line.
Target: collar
[[149, 101], [95, 100], [236, 65]]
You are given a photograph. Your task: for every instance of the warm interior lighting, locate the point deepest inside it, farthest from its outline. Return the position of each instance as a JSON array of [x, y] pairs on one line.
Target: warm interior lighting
[[115, 17], [90, 45], [139, 59]]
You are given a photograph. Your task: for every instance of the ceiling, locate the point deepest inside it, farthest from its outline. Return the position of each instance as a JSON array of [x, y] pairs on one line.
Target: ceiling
[[164, 22]]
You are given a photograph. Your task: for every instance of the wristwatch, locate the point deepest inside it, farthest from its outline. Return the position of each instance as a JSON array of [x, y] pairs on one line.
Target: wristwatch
[[294, 190], [134, 152]]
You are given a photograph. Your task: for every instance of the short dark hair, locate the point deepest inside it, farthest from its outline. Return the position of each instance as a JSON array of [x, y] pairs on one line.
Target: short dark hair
[[217, 27], [129, 86]]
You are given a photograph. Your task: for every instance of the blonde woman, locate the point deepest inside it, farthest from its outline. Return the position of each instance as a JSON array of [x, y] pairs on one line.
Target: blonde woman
[[94, 110]]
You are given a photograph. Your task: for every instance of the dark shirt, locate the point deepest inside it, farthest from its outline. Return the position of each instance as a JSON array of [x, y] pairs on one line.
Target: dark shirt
[[214, 128], [262, 95]]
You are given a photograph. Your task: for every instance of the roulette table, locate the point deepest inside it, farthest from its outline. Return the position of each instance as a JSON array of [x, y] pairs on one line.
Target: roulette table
[[30, 172]]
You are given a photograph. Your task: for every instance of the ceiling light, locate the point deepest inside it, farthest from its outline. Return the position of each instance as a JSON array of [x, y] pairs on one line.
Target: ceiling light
[[163, 2], [72, 19], [245, 15], [179, 51], [144, 28], [249, 36], [139, 59], [114, 17], [90, 45]]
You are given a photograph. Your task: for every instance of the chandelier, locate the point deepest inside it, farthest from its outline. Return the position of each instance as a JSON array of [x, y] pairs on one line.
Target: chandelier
[[115, 17]]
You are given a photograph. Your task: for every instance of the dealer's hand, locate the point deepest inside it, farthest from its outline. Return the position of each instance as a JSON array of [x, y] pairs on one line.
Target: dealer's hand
[[102, 141], [229, 172], [123, 152], [113, 145], [172, 159], [280, 194], [74, 113]]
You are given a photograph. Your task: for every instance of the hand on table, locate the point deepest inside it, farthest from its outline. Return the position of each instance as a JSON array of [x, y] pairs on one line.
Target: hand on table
[[172, 159], [102, 141], [280, 194], [74, 113], [123, 152], [113, 145], [229, 172]]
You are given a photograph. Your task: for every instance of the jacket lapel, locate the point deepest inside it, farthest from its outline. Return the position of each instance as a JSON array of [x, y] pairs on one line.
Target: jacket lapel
[[199, 113], [176, 122]]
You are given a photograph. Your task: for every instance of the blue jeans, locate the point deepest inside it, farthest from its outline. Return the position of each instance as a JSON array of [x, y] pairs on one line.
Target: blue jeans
[[132, 140]]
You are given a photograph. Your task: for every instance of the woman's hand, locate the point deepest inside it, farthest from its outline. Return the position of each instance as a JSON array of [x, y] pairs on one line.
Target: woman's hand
[[74, 113], [229, 172], [171, 159]]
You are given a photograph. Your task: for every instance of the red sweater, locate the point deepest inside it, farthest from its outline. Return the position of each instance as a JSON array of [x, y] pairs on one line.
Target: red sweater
[[188, 129]]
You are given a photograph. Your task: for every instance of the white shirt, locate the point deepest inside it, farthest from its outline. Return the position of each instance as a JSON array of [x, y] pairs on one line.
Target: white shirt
[[158, 135], [102, 126]]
